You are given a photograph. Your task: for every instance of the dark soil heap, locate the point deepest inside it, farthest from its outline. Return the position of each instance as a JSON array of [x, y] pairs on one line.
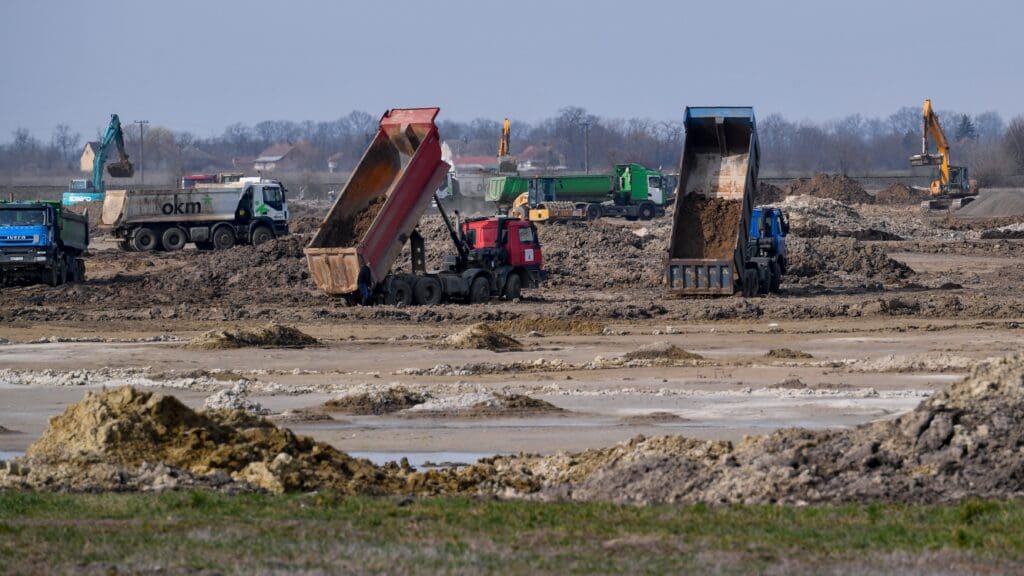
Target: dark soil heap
[[900, 194], [768, 194], [718, 221], [376, 402], [787, 354], [346, 232], [834, 186], [270, 336], [812, 258]]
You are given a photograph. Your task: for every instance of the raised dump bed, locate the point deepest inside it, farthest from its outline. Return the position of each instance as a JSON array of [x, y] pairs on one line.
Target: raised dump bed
[[717, 177], [380, 205]]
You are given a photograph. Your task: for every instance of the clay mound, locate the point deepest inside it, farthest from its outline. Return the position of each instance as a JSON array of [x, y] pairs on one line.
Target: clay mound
[[768, 194], [963, 442], [787, 354], [270, 336], [549, 326], [900, 194], [484, 405], [481, 336], [834, 186], [126, 428], [652, 418], [661, 351], [827, 256], [376, 402]]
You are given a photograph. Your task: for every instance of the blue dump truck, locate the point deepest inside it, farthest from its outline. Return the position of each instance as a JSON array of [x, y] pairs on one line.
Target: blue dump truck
[[720, 243], [41, 242]]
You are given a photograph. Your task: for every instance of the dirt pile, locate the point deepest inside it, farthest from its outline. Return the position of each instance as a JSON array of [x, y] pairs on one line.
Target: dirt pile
[[1008, 232], [272, 335], [652, 418], [768, 194], [111, 440], [898, 193], [963, 442], [481, 336], [235, 398], [603, 255], [484, 405], [833, 186], [994, 203], [550, 326], [348, 231], [376, 402], [828, 256], [787, 354], [6, 430], [718, 221], [661, 351]]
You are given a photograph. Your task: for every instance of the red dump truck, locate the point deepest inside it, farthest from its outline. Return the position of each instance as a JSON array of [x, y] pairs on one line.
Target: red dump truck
[[378, 211]]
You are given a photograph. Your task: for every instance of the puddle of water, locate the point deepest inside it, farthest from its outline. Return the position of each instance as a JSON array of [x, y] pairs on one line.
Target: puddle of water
[[8, 455], [421, 459]]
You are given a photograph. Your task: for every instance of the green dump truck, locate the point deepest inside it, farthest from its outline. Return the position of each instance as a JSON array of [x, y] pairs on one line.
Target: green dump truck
[[632, 192]]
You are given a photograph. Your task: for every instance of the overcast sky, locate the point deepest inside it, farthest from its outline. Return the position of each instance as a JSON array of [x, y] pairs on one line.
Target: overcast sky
[[200, 65]]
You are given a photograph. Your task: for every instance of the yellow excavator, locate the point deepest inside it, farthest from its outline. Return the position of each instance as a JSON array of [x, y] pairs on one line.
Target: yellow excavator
[[506, 163], [953, 188]]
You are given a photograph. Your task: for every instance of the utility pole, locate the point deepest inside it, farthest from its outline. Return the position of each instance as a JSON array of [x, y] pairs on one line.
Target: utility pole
[[142, 150], [586, 146]]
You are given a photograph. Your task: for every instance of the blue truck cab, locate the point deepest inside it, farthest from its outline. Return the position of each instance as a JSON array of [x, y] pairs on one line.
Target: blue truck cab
[[40, 241], [767, 245]]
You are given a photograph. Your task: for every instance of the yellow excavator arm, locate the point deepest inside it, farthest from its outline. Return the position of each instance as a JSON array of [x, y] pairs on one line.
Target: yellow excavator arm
[[506, 133], [931, 126]]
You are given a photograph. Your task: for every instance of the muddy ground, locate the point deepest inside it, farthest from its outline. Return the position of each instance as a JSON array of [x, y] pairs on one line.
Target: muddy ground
[[885, 323]]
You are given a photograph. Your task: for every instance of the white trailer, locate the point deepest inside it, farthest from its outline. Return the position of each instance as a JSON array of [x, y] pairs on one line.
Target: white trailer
[[210, 217]]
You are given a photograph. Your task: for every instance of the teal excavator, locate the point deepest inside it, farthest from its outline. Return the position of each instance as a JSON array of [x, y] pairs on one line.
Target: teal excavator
[[83, 190]]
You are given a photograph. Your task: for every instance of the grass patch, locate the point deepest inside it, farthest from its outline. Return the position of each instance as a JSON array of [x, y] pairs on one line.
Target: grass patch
[[325, 532]]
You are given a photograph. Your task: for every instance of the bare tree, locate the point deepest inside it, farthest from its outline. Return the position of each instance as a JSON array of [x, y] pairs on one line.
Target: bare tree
[[65, 141]]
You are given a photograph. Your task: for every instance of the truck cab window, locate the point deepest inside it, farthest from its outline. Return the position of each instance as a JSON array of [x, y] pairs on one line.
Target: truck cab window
[[273, 197], [653, 182], [526, 235]]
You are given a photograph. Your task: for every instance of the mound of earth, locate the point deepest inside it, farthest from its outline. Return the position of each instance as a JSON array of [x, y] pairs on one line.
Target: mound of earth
[[819, 256], [548, 326], [376, 402], [787, 354], [111, 440], [270, 336], [898, 193], [963, 442], [481, 336], [652, 418], [716, 219], [768, 194], [485, 405], [6, 430], [1008, 232], [345, 232], [994, 203], [833, 186], [661, 351], [234, 398]]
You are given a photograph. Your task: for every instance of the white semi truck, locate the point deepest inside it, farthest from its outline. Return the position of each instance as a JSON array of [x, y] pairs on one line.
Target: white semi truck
[[212, 217]]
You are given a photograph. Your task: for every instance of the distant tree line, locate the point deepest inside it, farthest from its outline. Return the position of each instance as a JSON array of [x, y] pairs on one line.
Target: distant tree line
[[992, 148]]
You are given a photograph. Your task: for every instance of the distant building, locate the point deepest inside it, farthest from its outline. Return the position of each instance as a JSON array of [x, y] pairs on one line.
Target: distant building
[[476, 163], [542, 157], [88, 156], [279, 157]]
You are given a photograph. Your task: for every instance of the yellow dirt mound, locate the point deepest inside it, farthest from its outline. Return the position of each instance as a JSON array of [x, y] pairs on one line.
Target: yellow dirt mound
[[481, 336], [127, 427], [787, 354], [549, 326], [269, 336], [661, 351]]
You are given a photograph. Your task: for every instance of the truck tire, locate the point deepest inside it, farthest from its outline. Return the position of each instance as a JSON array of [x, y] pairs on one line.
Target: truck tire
[[173, 239], [79, 270], [262, 234], [479, 291], [223, 238], [646, 211], [750, 287], [399, 293], [513, 287], [593, 212], [427, 291], [124, 245], [144, 240]]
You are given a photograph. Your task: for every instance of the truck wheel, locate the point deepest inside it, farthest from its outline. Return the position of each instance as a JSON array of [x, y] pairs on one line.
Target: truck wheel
[[223, 238], [124, 245], [399, 293], [144, 240], [593, 212], [262, 234], [427, 291], [480, 291], [646, 211], [750, 286], [173, 239], [79, 269], [513, 287]]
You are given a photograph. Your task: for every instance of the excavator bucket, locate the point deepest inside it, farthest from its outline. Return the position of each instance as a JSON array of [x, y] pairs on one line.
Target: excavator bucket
[[120, 169], [380, 205]]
